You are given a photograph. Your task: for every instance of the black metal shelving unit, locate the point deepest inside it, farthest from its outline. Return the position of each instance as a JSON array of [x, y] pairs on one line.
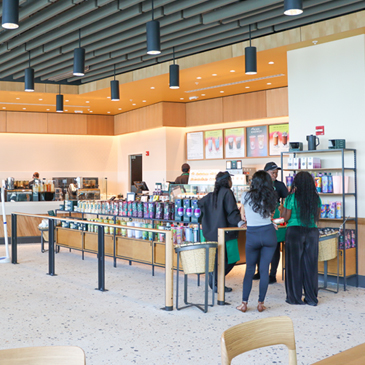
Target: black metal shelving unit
[[342, 169]]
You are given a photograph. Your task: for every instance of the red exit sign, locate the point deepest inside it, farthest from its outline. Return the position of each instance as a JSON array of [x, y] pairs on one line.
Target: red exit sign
[[320, 130]]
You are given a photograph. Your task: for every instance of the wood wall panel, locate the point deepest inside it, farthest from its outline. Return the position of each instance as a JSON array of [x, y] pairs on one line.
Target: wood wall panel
[[67, 123], [277, 102], [204, 112], [100, 125], [174, 114], [26, 226], [3, 116], [20, 122], [244, 107]]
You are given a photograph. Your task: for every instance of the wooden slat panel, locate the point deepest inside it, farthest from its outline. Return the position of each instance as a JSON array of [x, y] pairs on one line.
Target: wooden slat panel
[[174, 115], [65, 89], [100, 125], [332, 264], [69, 237], [91, 243], [26, 226], [244, 107], [67, 124], [23, 122], [277, 102], [3, 116], [204, 112]]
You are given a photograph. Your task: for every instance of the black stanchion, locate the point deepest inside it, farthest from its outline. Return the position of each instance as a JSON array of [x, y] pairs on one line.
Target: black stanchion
[[101, 260], [51, 250], [14, 239]]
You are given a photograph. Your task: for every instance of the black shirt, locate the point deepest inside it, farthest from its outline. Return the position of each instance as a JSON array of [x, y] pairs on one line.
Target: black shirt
[[281, 190], [182, 179], [226, 214]]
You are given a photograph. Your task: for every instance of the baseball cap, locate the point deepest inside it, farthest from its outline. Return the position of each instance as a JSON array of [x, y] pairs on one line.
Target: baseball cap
[[271, 166]]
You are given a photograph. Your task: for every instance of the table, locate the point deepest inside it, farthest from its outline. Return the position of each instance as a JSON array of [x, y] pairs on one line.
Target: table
[[353, 356]]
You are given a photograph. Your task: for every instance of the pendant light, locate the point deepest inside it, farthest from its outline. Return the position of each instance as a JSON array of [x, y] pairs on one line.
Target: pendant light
[[114, 88], [59, 101], [250, 58], [10, 14], [174, 73], [29, 78], [153, 35], [293, 7], [79, 59]]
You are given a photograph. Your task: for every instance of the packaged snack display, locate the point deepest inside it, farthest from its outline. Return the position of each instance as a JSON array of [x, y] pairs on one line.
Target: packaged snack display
[[140, 210]]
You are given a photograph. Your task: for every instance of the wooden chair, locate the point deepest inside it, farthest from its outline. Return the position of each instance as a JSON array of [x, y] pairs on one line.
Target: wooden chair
[[50, 355], [259, 333]]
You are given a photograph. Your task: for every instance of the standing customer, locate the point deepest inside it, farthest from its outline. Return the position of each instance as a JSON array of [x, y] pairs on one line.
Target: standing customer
[[184, 177], [259, 204], [301, 210], [219, 210]]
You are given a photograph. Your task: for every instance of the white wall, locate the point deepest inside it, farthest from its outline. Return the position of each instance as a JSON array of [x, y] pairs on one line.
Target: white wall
[[326, 85]]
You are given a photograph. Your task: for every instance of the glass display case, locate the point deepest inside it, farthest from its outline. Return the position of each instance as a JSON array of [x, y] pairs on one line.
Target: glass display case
[[24, 195], [88, 194]]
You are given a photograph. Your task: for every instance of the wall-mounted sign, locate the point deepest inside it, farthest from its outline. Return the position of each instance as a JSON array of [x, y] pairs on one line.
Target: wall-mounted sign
[[213, 144], [234, 142], [195, 146], [256, 140], [279, 138]]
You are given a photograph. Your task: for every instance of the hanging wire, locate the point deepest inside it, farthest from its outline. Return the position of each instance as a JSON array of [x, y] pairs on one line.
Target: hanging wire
[[153, 17], [59, 88], [29, 59], [249, 32], [114, 71], [79, 38], [173, 54]]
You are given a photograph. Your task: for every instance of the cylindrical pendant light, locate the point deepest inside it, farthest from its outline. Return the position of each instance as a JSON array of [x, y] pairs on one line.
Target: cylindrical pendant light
[[10, 14], [79, 59], [153, 35], [174, 73], [250, 58], [293, 7], [59, 101], [114, 89], [29, 78]]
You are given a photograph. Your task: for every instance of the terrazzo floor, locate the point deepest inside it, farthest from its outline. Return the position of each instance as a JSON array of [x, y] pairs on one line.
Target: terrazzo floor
[[126, 326]]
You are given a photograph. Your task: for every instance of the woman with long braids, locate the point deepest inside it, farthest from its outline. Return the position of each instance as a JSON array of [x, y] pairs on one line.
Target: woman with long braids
[[219, 210], [258, 205], [301, 210]]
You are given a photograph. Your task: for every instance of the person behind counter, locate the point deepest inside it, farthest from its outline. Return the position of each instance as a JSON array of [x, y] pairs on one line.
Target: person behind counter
[[282, 192], [258, 205], [301, 210], [184, 177], [32, 182], [219, 210]]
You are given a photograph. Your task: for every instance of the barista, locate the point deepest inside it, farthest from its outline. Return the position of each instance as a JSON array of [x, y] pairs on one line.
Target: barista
[[184, 177], [32, 182]]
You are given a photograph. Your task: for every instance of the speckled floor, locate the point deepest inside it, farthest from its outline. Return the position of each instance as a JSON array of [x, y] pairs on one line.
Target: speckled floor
[[126, 326]]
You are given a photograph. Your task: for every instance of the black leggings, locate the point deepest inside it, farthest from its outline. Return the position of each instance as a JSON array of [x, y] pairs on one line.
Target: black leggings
[[261, 243], [301, 265]]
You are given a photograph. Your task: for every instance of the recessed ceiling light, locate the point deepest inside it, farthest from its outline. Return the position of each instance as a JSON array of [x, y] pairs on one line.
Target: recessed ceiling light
[[214, 74], [91, 111], [119, 108], [24, 108], [40, 99], [271, 63], [88, 101], [143, 101], [181, 98], [47, 109], [17, 98], [247, 87], [108, 112], [152, 87], [130, 99], [221, 91], [66, 110], [108, 97], [203, 94], [198, 78], [133, 104], [69, 100], [232, 71], [4, 107], [269, 83]]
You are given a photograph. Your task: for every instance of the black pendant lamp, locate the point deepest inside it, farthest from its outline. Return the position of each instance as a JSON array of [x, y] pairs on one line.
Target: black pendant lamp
[[10, 14], [29, 78], [114, 88], [293, 7], [79, 59], [153, 35], [250, 58], [174, 73], [59, 101]]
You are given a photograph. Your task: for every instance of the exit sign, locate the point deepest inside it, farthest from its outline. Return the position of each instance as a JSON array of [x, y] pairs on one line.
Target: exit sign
[[320, 130]]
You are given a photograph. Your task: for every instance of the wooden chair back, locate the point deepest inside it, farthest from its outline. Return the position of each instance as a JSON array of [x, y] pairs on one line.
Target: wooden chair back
[[258, 333], [50, 355]]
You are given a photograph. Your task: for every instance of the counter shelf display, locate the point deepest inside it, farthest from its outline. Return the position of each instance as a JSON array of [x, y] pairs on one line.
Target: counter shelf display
[[88, 194], [18, 195]]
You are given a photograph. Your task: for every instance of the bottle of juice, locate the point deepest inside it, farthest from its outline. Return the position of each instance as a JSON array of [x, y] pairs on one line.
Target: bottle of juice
[[330, 183], [318, 182], [325, 183]]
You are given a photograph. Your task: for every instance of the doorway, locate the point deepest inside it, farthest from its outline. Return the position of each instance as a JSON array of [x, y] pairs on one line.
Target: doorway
[[135, 163]]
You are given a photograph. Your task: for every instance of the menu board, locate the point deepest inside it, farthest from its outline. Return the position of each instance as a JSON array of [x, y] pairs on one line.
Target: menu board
[[213, 144], [256, 140], [278, 138], [234, 142], [195, 146]]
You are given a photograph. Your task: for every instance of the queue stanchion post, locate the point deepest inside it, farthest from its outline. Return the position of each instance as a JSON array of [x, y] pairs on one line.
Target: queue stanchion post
[[169, 272], [101, 260], [51, 250], [221, 267], [14, 239]]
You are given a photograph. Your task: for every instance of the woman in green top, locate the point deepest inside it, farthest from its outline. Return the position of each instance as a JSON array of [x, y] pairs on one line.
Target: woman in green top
[[301, 210]]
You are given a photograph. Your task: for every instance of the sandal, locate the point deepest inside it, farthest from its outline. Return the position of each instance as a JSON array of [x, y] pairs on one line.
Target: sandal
[[242, 307], [261, 307]]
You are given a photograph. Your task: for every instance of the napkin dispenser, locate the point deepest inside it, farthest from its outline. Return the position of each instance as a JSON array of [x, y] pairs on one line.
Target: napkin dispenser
[[295, 146]]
